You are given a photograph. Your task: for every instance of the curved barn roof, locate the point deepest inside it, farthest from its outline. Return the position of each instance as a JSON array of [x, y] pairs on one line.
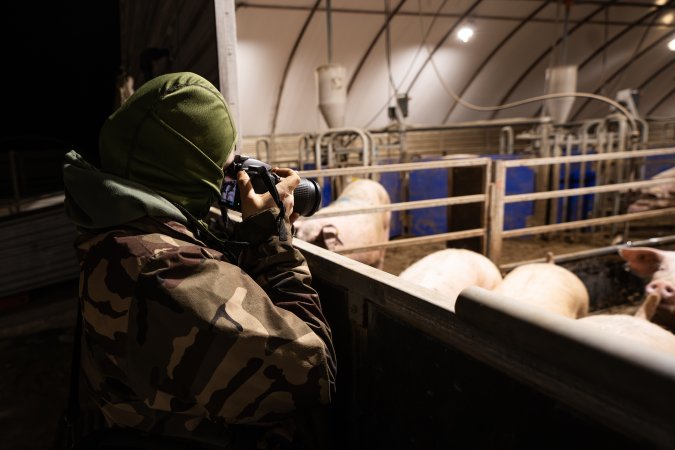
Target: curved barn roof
[[399, 47]]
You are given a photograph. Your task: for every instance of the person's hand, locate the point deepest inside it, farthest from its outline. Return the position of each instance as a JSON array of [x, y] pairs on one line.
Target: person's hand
[[252, 203]]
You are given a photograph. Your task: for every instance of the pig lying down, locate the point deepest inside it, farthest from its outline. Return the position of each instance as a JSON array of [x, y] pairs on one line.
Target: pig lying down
[[634, 328], [451, 270], [656, 197], [547, 286], [338, 232], [658, 267]]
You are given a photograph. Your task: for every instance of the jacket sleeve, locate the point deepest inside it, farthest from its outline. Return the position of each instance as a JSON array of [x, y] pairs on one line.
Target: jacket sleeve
[[218, 342], [282, 271]]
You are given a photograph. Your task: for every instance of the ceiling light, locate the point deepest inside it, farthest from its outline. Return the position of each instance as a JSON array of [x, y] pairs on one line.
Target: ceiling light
[[667, 19], [671, 45], [465, 33]]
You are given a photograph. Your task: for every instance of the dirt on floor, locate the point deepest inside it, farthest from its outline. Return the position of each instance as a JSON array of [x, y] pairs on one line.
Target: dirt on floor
[[398, 259]]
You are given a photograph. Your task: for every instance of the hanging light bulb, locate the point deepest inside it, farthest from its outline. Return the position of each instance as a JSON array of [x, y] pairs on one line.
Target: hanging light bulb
[[465, 33], [671, 45]]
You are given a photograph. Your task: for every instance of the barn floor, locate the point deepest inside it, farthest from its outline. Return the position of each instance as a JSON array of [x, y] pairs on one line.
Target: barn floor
[[514, 250], [36, 333]]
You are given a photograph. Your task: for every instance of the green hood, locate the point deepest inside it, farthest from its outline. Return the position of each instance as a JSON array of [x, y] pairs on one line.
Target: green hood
[[173, 136], [96, 199]]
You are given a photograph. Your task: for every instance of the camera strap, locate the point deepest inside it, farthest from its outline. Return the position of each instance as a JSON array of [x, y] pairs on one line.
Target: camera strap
[[230, 249], [271, 187]]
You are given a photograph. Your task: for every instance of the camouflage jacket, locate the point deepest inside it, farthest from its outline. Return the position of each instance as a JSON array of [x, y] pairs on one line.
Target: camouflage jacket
[[179, 341]]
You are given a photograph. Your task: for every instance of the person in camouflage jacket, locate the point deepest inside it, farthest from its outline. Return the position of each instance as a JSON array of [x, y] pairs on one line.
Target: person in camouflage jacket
[[184, 334]]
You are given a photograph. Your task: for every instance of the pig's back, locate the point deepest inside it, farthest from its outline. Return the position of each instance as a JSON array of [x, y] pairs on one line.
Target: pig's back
[[366, 191], [633, 328], [451, 270], [547, 286]]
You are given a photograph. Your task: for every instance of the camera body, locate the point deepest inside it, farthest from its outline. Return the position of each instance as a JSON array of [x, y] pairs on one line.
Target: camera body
[[306, 196]]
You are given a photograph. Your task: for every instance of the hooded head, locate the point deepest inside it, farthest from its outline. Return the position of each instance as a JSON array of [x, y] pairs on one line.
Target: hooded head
[[174, 135]]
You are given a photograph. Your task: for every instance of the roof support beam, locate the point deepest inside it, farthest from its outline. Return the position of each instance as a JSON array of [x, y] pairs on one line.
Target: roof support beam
[[620, 71], [541, 57], [616, 37], [441, 42], [492, 54], [381, 31], [289, 61], [653, 77]]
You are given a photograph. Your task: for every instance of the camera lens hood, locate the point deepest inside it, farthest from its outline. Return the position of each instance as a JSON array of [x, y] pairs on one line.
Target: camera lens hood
[[307, 197]]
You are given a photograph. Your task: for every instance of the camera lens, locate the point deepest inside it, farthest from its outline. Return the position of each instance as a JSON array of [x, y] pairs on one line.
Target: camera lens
[[307, 197]]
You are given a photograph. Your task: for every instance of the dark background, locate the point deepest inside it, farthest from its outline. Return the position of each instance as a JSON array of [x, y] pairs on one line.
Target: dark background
[[60, 61]]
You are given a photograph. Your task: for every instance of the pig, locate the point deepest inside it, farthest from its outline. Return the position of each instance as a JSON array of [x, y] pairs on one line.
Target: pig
[[355, 230], [656, 197], [636, 328], [659, 267], [547, 286], [450, 270]]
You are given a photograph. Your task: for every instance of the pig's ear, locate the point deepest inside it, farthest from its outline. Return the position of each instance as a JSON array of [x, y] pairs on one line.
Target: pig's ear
[[329, 237], [643, 261]]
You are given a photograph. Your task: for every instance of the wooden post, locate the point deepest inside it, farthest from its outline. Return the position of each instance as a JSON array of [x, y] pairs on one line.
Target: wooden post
[[487, 171], [226, 44], [467, 181], [496, 225], [542, 175]]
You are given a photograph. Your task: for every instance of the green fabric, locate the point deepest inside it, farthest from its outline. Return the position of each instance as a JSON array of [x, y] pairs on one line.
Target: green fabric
[[96, 199], [173, 136]]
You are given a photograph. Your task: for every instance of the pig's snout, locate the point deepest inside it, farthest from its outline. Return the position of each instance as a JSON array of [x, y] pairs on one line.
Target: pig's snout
[[662, 288]]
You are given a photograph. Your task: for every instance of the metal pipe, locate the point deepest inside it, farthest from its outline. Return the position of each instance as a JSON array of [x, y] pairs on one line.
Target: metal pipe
[[266, 144], [599, 167], [585, 254], [332, 134], [402, 206], [583, 150], [439, 164], [592, 157], [620, 187], [304, 146], [475, 124], [329, 30], [566, 179], [506, 140], [542, 174], [588, 222], [555, 180]]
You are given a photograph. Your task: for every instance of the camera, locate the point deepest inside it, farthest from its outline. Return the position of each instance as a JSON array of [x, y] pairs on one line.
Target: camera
[[306, 196]]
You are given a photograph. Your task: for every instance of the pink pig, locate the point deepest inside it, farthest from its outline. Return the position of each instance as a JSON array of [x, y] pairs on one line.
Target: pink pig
[[659, 267], [656, 197], [547, 286], [337, 232], [450, 270], [633, 328]]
